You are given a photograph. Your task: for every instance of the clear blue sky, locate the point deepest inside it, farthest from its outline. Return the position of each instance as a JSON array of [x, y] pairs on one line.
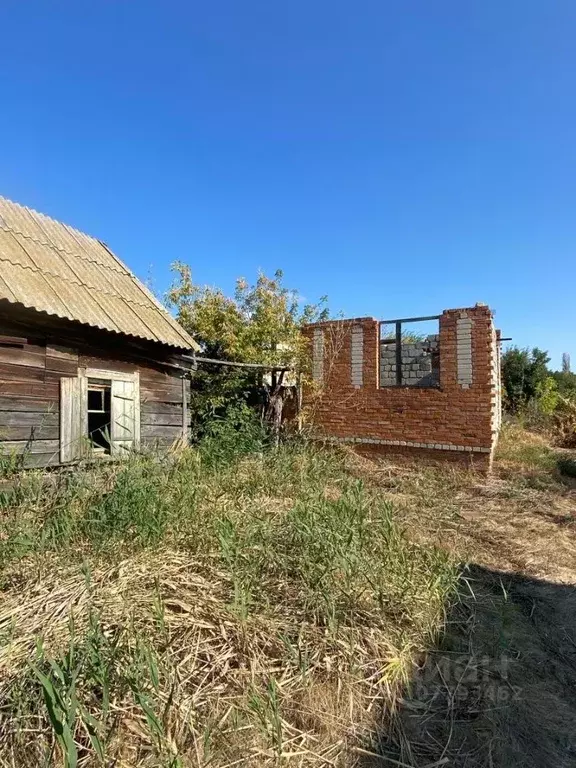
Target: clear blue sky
[[401, 157]]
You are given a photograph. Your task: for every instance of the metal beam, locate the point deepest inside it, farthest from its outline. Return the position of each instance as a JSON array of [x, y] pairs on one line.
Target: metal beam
[[233, 363], [398, 353], [409, 319]]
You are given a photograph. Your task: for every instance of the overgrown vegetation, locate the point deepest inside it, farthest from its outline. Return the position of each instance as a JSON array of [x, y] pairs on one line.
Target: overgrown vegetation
[[239, 604], [544, 400], [260, 323], [223, 605]]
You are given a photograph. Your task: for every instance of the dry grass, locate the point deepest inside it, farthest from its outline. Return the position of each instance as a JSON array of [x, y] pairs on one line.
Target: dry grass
[[521, 519], [298, 607], [497, 690], [260, 610]]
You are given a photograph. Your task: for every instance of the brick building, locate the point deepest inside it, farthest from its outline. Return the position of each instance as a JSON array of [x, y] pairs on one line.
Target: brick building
[[436, 396]]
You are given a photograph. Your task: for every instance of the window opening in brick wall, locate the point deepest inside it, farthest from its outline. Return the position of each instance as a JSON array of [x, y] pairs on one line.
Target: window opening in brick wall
[[410, 352]]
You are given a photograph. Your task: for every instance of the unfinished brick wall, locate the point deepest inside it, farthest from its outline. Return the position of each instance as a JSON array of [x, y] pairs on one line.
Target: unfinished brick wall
[[458, 419]]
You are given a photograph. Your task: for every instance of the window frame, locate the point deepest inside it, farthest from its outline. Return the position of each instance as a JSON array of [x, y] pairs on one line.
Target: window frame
[[78, 412], [398, 323]]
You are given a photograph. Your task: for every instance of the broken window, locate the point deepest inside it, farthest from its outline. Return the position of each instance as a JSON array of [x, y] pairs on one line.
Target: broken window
[[410, 352], [99, 414]]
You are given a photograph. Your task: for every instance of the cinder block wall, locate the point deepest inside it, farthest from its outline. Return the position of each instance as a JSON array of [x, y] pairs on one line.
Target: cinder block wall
[[418, 368], [456, 420]]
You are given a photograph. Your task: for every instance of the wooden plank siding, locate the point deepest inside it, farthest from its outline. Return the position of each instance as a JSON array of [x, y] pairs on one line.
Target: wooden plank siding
[[30, 373]]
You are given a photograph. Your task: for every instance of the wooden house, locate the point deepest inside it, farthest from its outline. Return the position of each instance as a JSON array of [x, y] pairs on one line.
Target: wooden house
[[90, 361]]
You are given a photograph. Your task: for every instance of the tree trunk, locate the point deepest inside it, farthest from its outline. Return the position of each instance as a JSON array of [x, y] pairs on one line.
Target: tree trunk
[[275, 406]]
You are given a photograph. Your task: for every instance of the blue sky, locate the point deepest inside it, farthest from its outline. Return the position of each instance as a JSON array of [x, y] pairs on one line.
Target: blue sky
[[400, 157]]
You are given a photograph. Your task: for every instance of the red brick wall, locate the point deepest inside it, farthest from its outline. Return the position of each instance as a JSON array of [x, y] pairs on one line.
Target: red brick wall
[[451, 419]]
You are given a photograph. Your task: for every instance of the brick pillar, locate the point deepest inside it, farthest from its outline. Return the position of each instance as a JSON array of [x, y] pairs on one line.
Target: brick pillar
[[371, 333], [467, 366]]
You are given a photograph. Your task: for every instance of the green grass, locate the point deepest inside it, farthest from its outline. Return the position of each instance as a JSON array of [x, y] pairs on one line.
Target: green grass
[[215, 603]]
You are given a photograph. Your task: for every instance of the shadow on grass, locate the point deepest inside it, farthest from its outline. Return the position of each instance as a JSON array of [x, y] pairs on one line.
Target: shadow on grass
[[499, 691], [567, 466]]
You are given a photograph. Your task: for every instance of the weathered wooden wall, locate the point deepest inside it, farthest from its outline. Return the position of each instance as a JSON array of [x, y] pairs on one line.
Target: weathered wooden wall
[[41, 350]]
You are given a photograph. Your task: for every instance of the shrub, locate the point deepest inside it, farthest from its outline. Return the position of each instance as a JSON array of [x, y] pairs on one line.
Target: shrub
[[567, 466], [564, 422], [238, 432], [523, 372]]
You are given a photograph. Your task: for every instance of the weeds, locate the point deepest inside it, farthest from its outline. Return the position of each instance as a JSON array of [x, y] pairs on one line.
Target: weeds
[[189, 610], [237, 604], [98, 667]]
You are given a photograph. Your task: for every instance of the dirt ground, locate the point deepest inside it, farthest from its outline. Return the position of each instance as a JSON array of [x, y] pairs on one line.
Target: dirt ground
[[499, 689]]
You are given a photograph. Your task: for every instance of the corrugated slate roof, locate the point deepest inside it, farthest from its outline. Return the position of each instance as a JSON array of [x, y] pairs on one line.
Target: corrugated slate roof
[[53, 268]]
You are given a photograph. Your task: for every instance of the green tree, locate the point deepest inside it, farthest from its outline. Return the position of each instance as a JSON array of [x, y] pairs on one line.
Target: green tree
[[261, 323], [566, 381], [524, 373], [547, 396]]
